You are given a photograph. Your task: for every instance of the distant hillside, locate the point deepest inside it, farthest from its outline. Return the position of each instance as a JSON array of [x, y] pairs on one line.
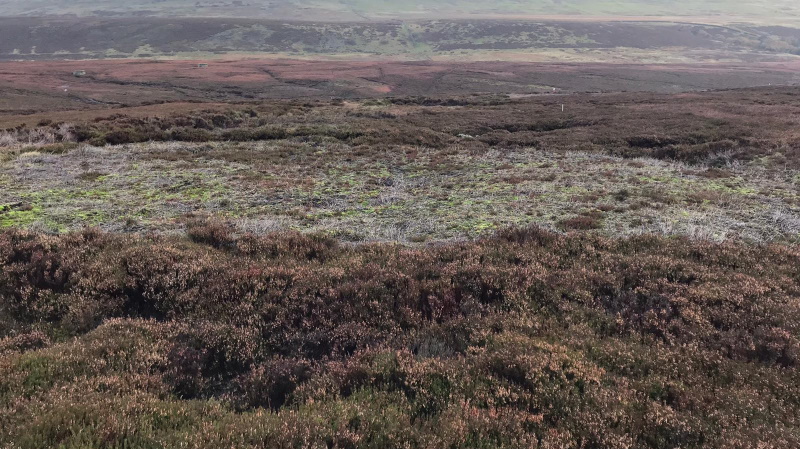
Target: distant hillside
[[73, 38], [758, 10]]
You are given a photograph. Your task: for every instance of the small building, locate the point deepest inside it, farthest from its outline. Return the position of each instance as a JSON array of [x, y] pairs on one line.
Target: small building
[[79, 73]]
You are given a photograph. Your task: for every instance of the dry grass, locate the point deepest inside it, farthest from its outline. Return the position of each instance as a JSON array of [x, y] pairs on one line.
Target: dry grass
[[37, 137], [361, 193]]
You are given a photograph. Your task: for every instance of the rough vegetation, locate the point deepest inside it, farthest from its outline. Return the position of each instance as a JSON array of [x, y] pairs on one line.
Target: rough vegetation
[[713, 166], [481, 271], [715, 128], [525, 339]]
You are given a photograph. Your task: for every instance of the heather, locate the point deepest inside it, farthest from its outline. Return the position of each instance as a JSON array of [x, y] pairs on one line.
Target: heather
[[364, 229], [527, 338]]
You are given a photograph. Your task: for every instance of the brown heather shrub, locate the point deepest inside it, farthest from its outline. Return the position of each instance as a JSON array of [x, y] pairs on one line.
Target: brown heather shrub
[[526, 339], [271, 384], [584, 222], [609, 124], [210, 232], [24, 342]]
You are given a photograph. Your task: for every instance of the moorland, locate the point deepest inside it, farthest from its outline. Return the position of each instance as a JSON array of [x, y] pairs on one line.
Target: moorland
[[365, 229]]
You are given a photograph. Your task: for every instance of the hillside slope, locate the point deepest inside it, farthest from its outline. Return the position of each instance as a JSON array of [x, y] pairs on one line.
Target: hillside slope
[[369, 9], [62, 38]]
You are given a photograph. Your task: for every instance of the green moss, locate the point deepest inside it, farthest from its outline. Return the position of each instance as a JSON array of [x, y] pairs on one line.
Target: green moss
[[104, 178], [733, 187], [483, 226], [90, 218], [19, 218]]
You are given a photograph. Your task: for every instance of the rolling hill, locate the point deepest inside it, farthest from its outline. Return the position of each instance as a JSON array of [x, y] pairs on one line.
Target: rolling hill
[[756, 10], [80, 38]]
